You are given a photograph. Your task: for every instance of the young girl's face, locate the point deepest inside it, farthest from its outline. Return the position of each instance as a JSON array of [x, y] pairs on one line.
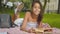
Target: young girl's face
[[36, 8]]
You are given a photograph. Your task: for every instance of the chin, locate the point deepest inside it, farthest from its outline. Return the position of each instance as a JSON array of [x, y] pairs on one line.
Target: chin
[[36, 14]]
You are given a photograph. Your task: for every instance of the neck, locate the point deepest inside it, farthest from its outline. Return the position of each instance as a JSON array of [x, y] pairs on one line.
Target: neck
[[34, 16]]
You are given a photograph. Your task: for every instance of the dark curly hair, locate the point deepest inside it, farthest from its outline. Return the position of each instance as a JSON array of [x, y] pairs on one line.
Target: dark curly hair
[[40, 16]]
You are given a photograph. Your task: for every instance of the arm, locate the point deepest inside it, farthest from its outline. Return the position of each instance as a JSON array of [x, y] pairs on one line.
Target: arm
[[18, 10], [25, 22], [15, 16]]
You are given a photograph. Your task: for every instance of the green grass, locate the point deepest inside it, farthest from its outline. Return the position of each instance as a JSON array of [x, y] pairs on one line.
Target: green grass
[[52, 19]]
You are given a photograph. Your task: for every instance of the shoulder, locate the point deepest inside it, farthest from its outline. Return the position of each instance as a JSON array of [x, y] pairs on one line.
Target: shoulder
[[28, 13]]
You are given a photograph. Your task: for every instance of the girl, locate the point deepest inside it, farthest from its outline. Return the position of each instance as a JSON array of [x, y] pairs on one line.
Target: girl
[[16, 18], [17, 11], [33, 19]]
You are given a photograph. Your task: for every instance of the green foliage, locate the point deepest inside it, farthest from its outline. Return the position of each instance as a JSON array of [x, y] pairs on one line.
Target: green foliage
[[52, 19], [27, 3]]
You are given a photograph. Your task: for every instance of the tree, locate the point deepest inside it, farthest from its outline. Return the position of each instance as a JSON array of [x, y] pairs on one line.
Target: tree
[[27, 3], [0, 3], [58, 12], [45, 3]]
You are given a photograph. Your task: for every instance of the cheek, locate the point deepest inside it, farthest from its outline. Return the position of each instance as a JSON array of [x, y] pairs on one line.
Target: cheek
[[36, 11], [39, 10]]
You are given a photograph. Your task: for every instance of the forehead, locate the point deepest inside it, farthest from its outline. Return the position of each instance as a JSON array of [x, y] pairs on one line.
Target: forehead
[[37, 4]]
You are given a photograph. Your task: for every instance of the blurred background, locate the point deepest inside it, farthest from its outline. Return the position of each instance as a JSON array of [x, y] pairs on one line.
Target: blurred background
[[51, 9]]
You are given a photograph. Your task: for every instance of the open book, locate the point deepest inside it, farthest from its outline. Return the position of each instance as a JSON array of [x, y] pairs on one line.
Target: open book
[[43, 30]]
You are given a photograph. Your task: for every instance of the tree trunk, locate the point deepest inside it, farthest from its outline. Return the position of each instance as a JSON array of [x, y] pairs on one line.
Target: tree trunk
[[58, 12], [36, 0], [0, 5], [45, 2]]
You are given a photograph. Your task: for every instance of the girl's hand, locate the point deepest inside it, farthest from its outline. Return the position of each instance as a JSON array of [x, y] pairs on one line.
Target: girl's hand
[[31, 30]]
